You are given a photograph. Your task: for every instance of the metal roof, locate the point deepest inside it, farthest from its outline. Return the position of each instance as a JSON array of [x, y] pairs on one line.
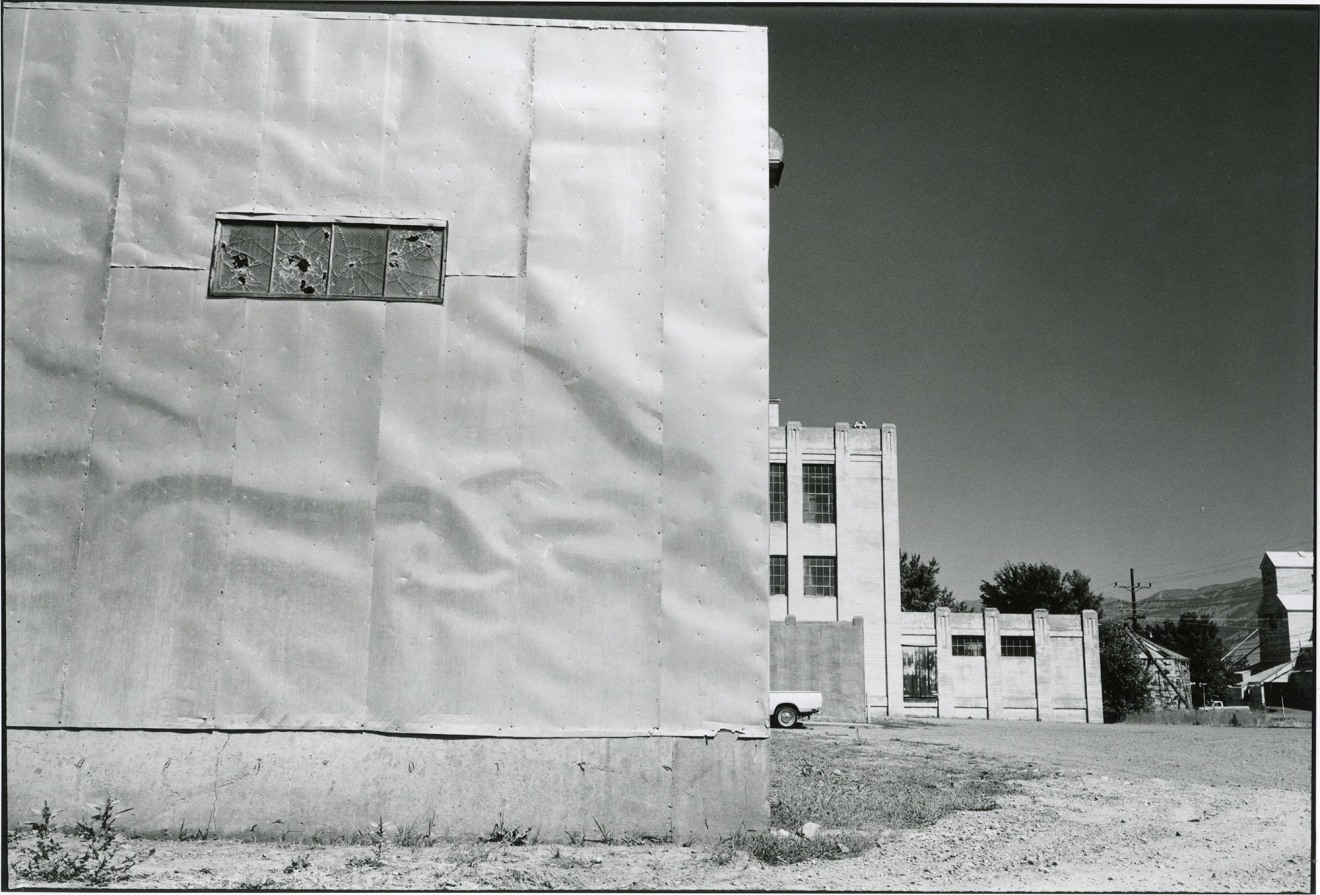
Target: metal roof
[[1163, 651], [1289, 559]]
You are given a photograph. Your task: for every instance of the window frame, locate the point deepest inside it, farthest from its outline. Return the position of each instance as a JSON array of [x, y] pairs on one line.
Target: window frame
[[1014, 650], [331, 221], [809, 587], [783, 574], [959, 644], [779, 492], [812, 477]]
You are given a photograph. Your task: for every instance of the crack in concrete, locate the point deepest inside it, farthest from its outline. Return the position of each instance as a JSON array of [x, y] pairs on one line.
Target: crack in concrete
[[215, 788]]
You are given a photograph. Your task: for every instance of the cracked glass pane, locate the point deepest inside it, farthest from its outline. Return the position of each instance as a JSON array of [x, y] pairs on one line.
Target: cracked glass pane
[[242, 262], [302, 255], [412, 269], [358, 265]]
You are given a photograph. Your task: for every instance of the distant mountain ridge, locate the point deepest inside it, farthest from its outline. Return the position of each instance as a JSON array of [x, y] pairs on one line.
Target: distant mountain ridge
[[1231, 606]]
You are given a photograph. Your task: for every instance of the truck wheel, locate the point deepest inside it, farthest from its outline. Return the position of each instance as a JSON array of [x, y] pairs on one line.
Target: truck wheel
[[786, 716]]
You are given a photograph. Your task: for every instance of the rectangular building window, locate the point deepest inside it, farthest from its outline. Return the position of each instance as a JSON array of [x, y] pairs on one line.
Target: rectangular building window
[[920, 680], [1017, 646], [817, 492], [258, 256], [778, 492], [819, 576], [968, 645], [779, 575]]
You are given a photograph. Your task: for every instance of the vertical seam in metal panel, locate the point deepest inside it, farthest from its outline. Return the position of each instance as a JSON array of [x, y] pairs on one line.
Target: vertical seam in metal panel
[[389, 148], [527, 159], [522, 288], [388, 152], [91, 434], [660, 509], [96, 385], [261, 124], [18, 93]]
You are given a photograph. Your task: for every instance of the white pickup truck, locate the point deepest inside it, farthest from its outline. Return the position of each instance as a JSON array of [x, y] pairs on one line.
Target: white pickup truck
[[790, 706]]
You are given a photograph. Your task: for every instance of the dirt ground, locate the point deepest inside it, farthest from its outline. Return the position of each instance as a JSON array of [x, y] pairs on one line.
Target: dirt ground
[[1114, 808]]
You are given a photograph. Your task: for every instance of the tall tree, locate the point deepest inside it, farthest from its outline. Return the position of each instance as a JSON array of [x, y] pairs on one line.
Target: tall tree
[[1196, 636], [921, 592], [1024, 587], [1124, 677]]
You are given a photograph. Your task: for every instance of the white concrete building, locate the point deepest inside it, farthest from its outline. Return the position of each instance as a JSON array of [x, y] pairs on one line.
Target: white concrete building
[[834, 560], [834, 538]]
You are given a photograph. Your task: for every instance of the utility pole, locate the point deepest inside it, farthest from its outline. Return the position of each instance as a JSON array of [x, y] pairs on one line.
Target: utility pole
[[1133, 587]]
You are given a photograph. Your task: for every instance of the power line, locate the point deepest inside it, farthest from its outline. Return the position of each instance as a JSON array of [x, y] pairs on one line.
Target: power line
[[1225, 565], [1133, 587], [1308, 536]]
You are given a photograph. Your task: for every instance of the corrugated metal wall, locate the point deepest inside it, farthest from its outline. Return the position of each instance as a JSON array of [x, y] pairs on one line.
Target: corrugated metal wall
[[535, 510]]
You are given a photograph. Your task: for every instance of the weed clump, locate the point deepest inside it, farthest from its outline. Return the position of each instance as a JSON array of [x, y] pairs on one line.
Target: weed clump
[[378, 837], [102, 861], [507, 835]]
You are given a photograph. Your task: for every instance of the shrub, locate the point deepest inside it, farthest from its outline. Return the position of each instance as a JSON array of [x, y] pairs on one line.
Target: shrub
[[1124, 677], [102, 861]]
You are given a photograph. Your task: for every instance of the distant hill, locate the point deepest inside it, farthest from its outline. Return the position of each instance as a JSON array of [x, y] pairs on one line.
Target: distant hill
[[1231, 606]]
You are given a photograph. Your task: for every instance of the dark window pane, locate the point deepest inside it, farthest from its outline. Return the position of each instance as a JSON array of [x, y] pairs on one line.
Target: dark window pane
[[818, 576], [778, 492], [1017, 646], [817, 492], [779, 575], [920, 681]]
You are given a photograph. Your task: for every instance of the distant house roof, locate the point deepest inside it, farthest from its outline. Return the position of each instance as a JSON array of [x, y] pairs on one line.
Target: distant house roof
[[1273, 674], [1162, 652], [1289, 559]]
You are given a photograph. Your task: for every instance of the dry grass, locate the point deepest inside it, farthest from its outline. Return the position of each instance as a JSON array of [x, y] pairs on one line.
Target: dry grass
[[875, 785], [1228, 717]]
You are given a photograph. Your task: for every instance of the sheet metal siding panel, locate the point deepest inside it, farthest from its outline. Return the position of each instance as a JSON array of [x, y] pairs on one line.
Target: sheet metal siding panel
[[447, 543], [440, 519], [296, 604], [60, 183], [716, 331], [151, 559], [463, 137], [198, 88], [589, 588]]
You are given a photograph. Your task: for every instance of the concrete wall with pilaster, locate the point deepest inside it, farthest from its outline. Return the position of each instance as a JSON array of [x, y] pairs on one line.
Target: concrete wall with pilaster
[[823, 656], [1060, 682]]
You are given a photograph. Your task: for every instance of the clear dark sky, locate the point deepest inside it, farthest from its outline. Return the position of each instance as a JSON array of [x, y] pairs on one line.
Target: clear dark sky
[[1069, 252]]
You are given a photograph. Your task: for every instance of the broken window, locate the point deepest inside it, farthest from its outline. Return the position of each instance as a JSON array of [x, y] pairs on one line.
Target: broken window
[[368, 258]]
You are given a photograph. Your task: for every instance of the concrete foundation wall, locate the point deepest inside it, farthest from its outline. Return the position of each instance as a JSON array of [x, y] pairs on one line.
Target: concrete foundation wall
[[824, 656], [296, 784]]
